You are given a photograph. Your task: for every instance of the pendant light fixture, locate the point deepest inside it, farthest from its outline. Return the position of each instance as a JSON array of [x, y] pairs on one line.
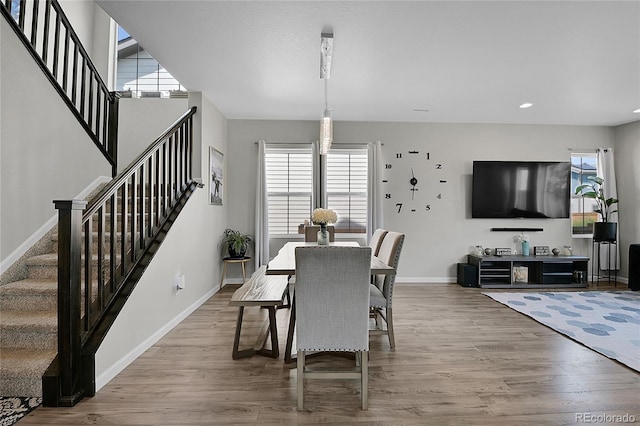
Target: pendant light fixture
[[326, 123]]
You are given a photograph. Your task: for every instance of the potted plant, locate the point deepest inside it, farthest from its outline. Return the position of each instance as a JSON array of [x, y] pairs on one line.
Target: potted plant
[[605, 230], [236, 243]]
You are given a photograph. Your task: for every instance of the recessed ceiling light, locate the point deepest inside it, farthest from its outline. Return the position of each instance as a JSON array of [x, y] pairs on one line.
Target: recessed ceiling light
[[637, 111], [526, 105], [420, 110]]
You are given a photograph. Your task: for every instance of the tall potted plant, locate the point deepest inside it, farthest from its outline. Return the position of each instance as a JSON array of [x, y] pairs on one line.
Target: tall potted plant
[[605, 230]]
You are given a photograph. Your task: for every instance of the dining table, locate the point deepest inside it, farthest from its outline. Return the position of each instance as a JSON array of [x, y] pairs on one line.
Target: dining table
[[284, 263]]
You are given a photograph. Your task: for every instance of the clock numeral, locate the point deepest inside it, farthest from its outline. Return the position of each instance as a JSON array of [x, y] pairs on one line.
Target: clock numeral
[[439, 196], [399, 206], [413, 210], [387, 166], [428, 156], [384, 181], [439, 166], [387, 196], [413, 152], [398, 155], [428, 207], [443, 181]]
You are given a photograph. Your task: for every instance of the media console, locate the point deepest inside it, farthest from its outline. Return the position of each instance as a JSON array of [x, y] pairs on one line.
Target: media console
[[530, 271]]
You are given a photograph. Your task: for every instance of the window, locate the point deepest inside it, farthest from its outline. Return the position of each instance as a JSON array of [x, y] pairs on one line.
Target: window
[[346, 185], [292, 186], [582, 209], [140, 73], [289, 188]]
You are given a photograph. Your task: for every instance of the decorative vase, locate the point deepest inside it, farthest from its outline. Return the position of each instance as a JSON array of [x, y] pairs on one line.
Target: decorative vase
[[525, 248], [323, 235]]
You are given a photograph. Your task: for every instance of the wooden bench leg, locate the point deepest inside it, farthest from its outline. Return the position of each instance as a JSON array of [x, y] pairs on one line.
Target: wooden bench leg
[[236, 340], [274, 352]]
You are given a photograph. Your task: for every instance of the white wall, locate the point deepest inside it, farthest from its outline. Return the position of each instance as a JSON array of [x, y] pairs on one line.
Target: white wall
[[141, 121], [190, 249], [44, 152], [627, 161], [435, 240]]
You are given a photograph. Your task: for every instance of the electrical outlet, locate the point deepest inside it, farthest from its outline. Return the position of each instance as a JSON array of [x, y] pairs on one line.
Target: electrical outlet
[[180, 282]]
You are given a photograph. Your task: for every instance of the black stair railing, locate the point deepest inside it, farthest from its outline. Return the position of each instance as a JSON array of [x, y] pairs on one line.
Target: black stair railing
[[101, 249], [47, 34]]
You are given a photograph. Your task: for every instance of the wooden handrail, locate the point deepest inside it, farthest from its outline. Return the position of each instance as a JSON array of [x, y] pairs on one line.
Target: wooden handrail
[[103, 247], [81, 88]]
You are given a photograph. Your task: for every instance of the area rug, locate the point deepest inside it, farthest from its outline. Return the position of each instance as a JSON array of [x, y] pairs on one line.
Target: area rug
[[13, 409], [606, 321]]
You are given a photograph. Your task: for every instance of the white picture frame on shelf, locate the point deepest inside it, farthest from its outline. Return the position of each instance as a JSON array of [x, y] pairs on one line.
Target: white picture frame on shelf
[[216, 175]]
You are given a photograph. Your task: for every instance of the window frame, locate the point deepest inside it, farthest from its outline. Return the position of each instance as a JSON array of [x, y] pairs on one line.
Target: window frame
[[588, 216]]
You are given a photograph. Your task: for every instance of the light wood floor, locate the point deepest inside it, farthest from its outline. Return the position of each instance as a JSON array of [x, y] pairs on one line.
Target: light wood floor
[[461, 358]]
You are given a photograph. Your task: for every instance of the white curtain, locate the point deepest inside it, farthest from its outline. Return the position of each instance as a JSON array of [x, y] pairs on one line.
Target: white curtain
[[606, 170], [376, 219], [262, 211]]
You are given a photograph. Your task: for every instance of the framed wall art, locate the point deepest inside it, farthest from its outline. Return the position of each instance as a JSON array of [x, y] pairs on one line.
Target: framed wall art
[[216, 173]]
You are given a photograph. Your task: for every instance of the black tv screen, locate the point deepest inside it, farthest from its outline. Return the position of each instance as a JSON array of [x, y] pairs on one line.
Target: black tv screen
[[521, 189]]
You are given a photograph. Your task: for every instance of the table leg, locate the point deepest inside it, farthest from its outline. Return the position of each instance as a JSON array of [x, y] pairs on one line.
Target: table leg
[[292, 327], [244, 275]]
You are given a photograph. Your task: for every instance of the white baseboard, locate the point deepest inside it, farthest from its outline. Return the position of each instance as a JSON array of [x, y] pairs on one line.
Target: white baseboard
[[120, 365], [423, 280], [46, 227]]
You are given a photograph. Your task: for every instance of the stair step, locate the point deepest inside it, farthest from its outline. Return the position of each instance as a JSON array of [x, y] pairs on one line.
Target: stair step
[[29, 294], [33, 330], [54, 240], [21, 371], [45, 266]]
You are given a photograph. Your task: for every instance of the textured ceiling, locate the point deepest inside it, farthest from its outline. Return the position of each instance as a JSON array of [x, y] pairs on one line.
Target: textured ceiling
[[578, 62]]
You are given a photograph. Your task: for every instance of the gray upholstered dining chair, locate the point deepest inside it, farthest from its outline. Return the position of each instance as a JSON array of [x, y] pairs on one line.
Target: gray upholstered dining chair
[[332, 310], [376, 240], [311, 233], [381, 291]]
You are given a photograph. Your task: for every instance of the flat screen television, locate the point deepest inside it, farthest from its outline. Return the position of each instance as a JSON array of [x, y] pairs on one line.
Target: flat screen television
[[521, 189]]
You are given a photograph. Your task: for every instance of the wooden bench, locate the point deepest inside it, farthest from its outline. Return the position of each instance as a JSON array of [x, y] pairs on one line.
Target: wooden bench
[[266, 291]]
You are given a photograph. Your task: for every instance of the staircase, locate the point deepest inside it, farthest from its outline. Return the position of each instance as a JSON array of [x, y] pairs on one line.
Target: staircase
[[28, 326], [56, 311]]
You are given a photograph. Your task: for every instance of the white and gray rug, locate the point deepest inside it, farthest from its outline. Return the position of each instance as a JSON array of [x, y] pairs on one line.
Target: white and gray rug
[[13, 409], [606, 321]]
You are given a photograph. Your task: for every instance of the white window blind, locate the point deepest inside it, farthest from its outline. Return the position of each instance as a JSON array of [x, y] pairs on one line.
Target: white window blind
[[289, 188], [346, 188]]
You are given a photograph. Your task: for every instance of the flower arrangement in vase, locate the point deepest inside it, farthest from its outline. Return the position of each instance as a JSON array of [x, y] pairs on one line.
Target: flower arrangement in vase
[[323, 217], [523, 239]]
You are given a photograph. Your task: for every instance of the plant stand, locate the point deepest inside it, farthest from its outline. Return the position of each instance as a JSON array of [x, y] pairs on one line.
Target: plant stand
[[240, 260]]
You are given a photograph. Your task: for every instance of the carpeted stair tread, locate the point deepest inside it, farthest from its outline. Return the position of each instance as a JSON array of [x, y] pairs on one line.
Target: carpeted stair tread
[[29, 294], [49, 259], [35, 320], [29, 286], [21, 371], [24, 360]]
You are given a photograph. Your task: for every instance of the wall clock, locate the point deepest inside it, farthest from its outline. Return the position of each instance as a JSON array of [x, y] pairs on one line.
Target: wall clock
[[413, 182]]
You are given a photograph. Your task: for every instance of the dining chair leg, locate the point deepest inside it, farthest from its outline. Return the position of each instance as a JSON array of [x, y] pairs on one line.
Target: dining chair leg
[[364, 371], [392, 339], [300, 380]]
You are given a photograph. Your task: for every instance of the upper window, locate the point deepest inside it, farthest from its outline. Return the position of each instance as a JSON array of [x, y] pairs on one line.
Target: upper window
[[140, 74], [347, 176], [582, 209]]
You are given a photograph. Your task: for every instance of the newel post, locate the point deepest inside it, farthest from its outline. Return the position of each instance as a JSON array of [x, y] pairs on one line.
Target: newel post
[[69, 297], [113, 132]]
